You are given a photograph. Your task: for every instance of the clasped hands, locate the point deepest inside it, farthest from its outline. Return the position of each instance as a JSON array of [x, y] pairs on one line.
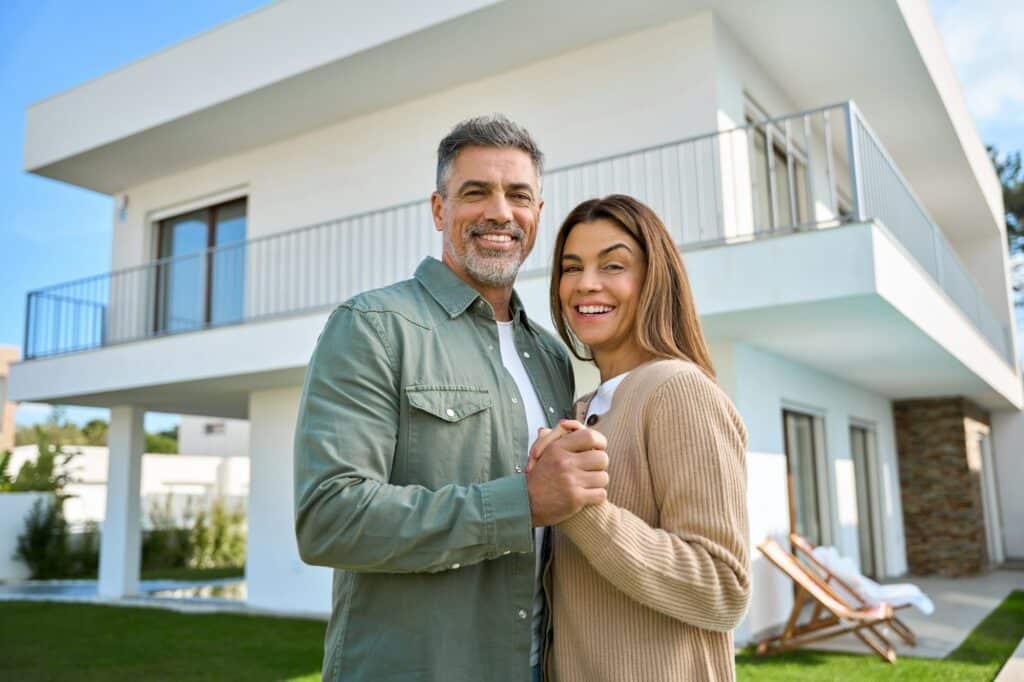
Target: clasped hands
[[567, 470]]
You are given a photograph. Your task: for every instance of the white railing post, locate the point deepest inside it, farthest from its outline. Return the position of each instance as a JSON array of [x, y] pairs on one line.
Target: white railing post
[[851, 117]]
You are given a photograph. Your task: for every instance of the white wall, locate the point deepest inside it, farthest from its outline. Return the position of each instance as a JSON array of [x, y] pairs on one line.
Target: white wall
[[1008, 452], [229, 439], [188, 480], [762, 385], [616, 95], [276, 578], [14, 507]]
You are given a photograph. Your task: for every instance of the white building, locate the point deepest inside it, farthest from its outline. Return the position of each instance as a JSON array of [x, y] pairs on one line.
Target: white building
[[838, 215]]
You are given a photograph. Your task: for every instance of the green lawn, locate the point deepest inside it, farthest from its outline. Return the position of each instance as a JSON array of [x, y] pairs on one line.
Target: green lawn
[[979, 657], [50, 641]]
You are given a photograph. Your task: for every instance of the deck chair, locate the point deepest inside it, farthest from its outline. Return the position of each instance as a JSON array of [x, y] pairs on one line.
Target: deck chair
[[832, 615], [897, 599]]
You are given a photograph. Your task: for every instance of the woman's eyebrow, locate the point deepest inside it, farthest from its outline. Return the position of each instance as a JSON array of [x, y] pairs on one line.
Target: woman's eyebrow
[[619, 245], [571, 256]]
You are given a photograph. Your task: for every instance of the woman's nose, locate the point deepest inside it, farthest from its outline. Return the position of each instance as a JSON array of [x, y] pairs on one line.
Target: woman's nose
[[588, 280]]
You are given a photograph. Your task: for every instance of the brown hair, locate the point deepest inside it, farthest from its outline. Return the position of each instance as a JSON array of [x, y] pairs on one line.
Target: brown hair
[[667, 322]]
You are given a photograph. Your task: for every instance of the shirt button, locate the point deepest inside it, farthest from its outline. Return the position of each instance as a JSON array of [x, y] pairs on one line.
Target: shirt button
[[490, 347], [522, 614], [515, 401], [551, 410], [450, 412], [454, 566], [519, 469], [507, 551], [526, 355]]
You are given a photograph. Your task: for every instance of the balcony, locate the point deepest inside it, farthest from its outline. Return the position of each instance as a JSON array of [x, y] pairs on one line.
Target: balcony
[[813, 170]]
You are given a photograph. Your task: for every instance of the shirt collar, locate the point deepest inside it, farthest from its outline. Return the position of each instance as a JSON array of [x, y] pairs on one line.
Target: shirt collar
[[455, 296]]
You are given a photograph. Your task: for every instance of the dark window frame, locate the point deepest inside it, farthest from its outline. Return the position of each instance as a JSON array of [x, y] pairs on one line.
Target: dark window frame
[[159, 326]]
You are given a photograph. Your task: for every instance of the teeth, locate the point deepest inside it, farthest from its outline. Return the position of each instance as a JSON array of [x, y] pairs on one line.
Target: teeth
[[496, 237], [594, 309]]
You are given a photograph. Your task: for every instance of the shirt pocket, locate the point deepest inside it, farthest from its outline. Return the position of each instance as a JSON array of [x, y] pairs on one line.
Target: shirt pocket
[[449, 434]]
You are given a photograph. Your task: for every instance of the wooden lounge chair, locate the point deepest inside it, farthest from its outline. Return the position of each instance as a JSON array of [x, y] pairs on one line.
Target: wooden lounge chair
[[805, 549], [832, 615]]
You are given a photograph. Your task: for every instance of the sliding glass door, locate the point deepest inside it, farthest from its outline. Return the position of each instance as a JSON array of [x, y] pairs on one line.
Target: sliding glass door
[[201, 268], [806, 508]]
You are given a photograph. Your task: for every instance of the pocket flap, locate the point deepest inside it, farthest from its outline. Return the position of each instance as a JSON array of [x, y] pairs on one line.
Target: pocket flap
[[450, 403]]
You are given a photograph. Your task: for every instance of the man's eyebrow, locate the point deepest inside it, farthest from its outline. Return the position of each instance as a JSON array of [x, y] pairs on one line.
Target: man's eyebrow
[[475, 184], [520, 186]]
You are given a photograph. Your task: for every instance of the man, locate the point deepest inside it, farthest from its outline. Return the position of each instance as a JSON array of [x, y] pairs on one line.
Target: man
[[419, 407]]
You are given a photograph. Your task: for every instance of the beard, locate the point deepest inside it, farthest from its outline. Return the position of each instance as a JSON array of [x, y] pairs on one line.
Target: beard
[[490, 267]]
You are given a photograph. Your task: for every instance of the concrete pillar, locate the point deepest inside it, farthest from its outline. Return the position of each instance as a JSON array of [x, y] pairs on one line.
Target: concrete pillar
[[121, 539], [275, 576]]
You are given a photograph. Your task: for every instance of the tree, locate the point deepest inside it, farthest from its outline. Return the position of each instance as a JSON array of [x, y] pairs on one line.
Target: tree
[[1010, 170], [95, 432]]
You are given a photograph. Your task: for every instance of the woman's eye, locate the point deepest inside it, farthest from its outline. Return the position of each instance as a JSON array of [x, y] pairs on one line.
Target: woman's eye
[[569, 268], [614, 266]]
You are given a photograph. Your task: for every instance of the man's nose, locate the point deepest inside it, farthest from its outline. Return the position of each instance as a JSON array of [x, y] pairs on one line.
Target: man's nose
[[499, 210]]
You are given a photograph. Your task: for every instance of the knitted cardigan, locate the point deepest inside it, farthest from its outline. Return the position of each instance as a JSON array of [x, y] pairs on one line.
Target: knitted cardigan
[[649, 584]]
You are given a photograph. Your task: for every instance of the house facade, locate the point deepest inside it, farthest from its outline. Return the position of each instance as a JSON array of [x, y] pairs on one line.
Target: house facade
[[836, 210]]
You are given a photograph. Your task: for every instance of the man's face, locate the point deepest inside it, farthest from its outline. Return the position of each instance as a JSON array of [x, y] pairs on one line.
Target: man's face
[[489, 214]]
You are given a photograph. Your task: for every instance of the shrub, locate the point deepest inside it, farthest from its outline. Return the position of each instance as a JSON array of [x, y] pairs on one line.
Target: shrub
[[44, 544], [218, 537]]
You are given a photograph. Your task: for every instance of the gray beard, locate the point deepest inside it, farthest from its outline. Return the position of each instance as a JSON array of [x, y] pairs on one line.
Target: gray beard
[[487, 266]]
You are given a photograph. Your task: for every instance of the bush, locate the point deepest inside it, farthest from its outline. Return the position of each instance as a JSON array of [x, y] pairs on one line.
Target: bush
[[218, 537], [165, 545], [44, 544], [160, 443]]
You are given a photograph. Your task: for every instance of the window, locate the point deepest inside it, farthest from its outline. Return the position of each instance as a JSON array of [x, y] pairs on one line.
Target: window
[[201, 268], [806, 476], [213, 428], [864, 452]]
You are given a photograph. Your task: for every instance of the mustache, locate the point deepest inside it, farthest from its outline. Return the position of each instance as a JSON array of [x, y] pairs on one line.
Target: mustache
[[510, 228]]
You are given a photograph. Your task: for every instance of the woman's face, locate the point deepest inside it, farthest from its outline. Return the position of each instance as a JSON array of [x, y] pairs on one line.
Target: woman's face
[[603, 271]]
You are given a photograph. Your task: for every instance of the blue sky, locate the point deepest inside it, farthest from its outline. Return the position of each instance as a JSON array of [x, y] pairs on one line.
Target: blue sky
[[51, 232]]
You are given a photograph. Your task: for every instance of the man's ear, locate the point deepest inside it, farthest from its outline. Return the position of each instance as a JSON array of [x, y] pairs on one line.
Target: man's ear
[[437, 210]]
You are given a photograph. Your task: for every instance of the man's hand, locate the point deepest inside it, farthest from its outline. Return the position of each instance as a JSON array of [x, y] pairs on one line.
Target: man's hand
[[572, 473]]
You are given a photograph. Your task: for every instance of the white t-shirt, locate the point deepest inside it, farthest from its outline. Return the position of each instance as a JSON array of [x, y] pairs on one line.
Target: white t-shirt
[[535, 419], [602, 400]]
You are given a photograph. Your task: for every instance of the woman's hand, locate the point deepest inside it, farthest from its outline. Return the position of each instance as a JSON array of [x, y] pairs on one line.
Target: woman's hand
[[546, 437]]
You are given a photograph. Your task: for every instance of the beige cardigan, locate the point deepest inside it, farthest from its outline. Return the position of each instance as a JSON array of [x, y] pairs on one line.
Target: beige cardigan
[[650, 584]]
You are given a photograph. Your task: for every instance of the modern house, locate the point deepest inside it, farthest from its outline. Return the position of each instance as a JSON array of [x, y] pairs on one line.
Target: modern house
[[816, 163]]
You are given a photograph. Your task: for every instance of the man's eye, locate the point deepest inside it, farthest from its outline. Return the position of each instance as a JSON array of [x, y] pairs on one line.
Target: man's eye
[[522, 197]]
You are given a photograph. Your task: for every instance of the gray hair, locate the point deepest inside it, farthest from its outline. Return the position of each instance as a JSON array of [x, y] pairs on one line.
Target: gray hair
[[496, 130]]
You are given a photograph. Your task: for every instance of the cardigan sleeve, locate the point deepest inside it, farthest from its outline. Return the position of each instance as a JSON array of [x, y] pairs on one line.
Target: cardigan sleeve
[[694, 567]]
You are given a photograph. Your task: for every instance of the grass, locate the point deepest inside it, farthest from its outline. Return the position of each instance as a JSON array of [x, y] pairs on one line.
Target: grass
[[52, 641], [979, 657]]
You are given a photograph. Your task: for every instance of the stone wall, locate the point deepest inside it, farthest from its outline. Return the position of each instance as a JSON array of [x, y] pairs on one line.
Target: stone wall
[[940, 485]]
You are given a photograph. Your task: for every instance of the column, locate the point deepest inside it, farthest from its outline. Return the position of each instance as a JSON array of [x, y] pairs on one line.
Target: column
[[121, 539]]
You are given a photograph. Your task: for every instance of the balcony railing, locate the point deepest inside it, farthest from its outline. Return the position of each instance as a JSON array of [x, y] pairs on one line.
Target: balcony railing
[[810, 170]]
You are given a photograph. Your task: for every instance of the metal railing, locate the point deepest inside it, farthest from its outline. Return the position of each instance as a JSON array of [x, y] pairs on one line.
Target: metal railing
[[810, 170]]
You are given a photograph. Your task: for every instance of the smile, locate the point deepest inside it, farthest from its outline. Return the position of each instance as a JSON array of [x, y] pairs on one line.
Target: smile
[[497, 238], [594, 309]]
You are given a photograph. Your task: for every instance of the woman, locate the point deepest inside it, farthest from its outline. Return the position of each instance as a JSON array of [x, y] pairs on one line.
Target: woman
[[649, 584]]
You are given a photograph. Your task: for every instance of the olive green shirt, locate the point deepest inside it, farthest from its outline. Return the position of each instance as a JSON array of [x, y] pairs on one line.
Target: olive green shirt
[[409, 449]]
